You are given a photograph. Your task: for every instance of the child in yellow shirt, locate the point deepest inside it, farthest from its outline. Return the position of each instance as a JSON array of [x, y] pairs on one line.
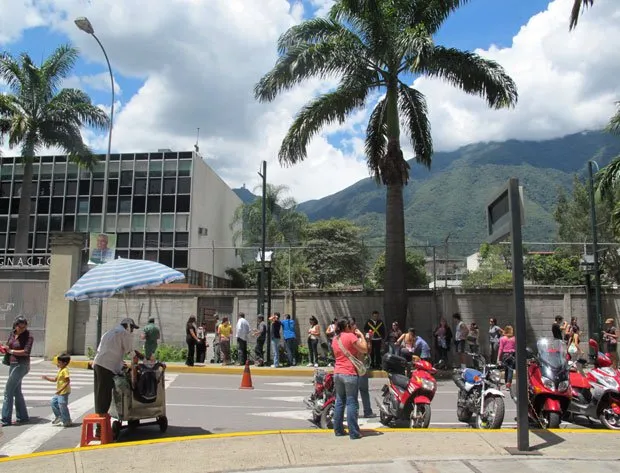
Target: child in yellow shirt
[[60, 401]]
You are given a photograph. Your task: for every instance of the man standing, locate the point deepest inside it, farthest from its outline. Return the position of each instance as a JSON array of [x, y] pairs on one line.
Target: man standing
[[556, 328], [108, 362], [150, 335], [261, 336], [376, 330], [290, 339], [275, 338], [461, 331], [217, 352], [610, 336], [242, 331]]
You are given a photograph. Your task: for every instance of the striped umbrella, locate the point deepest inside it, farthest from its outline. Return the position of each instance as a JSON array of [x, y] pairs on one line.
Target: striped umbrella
[[119, 276]]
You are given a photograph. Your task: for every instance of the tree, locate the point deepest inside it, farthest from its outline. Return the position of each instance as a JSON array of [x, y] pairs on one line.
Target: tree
[[416, 276], [558, 269], [335, 252], [35, 114], [375, 46], [578, 7], [493, 271]]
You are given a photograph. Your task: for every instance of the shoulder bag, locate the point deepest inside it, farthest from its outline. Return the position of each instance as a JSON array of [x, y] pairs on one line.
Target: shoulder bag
[[360, 367]]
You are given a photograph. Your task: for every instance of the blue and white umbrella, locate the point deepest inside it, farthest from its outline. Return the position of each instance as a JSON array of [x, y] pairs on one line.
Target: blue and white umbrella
[[119, 276]]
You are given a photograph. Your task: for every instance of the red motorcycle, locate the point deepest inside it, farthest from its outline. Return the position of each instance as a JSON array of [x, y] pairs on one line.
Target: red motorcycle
[[322, 401], [407, 397], [549, 393]]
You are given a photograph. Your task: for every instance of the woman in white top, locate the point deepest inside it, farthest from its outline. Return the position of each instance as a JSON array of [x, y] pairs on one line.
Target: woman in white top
[[313, 342]]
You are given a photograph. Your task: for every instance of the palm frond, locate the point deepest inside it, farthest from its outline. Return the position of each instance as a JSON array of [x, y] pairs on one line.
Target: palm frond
[[614, 123], [578, 7], [472, 74], [412, 105], [11, 72], [313, 31], [331, 107], [432, 13], [376, 139], [413, 43], [75, 106], [607, 179], [59, 65]]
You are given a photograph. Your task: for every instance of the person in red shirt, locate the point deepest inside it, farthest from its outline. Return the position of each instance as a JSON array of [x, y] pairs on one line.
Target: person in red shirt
[[348, 342]]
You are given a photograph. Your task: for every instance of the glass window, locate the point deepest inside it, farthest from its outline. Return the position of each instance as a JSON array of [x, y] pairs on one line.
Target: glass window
[[40, 240], [170, 155], [115, 157], [181, 240], [167, 203], [45, 188], [155, 186], [136, 254], [31, 224], [99, 169], [166, 240], [165, 257], [84, 187], [5, 189], [94, 224], [126, 178], [4, 221], [142, 156], [151, 240], [68, 224], [153, 205], [17, 188], [122, 254], [181, 225], [13, 224], [167, 222], [137, 240], [141, 170], [58, 188], [155, 168], [43, 207], [110, 223], [180, 259], [125, 191], [72, 171], [81, 223], [98, 187], [152, 223], [70, 205], [150, 255], [124, 205], [83, 205], [139, 204], [2, 240], [113, 186], [139, 186], [156, 156], [137, 223], [96, 205], [127, 157], [57, 205], [123, 223], [11, 244], [185, 167], [184, 186], [112, 204], [170, 185], [41, 224], [122, 240], [71, 187], [182, 203], [4, 206], [185, 155], [55, 224]]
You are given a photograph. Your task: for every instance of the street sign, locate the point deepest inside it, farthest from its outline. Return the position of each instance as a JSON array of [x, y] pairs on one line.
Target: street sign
[[498, 215]]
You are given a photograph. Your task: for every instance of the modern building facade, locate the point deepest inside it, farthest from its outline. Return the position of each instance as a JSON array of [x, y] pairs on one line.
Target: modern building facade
[[167, 206]]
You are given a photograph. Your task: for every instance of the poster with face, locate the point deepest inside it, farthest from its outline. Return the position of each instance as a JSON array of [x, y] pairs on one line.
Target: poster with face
[[102, 248]]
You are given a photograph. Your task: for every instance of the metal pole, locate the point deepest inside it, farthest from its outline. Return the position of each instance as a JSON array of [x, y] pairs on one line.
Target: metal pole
[[514, 201], [261, 284], [597, 274], [434, 270], [212, 263]]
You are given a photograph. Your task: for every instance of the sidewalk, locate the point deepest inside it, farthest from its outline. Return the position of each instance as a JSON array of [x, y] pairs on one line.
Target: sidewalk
[[390, 450]]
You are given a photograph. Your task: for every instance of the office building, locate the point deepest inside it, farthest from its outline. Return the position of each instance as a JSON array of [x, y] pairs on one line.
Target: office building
[[167, 206]]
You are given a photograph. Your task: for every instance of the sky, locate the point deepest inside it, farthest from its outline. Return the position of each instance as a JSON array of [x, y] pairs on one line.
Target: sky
[[180, 65]]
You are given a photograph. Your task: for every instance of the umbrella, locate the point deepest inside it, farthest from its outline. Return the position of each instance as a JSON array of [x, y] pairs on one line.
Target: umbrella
[[119, 276]]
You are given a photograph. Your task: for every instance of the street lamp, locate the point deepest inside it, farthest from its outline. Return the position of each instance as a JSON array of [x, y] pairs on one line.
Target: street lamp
[[597, 274], [86, 26], [265, 260]]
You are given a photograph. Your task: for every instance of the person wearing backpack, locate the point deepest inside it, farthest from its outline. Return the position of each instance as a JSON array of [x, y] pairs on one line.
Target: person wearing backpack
[[461, 332]]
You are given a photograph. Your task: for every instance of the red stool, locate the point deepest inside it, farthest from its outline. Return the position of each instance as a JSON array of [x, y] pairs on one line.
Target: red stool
[[89, 425]]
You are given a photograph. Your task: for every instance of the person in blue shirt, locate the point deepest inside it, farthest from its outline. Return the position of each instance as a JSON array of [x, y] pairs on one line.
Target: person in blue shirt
[[290, 339], [420, 347]]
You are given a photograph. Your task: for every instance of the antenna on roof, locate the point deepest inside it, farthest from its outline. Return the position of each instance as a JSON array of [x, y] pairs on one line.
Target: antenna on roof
[[196, 147]]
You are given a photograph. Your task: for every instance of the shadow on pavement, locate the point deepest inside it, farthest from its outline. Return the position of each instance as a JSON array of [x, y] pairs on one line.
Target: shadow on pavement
[[550, 439], [152, 432]]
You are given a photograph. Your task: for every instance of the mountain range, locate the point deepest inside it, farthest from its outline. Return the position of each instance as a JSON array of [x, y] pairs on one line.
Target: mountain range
[[450, 198]]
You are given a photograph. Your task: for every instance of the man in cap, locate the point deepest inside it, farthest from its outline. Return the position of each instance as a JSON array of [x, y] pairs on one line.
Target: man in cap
[[150, 335], [108, 362]]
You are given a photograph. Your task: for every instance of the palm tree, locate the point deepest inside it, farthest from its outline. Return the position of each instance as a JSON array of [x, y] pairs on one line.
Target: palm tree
[[377, 45], [36, 114], [578, 7]]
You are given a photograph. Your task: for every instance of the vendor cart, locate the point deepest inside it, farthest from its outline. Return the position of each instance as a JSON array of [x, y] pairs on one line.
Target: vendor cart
[[129, 412]]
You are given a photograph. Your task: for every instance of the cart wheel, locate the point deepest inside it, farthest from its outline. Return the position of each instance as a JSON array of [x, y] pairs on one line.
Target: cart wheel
[[133, 424], [163, 423], [116, 429]]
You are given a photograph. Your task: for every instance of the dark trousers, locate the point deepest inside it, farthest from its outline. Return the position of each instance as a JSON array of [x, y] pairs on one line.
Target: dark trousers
[[104, 385], [242, 345], [259, 349], [191, 350], [201, 351], [375, 355], [313, 351]]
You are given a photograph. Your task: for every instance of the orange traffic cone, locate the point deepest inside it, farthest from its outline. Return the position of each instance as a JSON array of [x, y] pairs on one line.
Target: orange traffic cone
[[246, 381]]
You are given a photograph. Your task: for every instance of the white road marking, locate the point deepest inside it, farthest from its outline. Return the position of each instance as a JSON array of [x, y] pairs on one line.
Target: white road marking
[[219, 406], [203, 388], [298, 399], [294, 384]]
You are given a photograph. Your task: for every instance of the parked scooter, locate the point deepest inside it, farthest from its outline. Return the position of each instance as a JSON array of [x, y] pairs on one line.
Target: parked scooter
[[549, 391], [407, 397], [596, 394], [322, 401], [479, 395]]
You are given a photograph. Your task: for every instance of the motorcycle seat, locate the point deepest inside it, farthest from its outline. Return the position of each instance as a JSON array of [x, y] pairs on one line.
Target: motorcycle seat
[[399, 380]]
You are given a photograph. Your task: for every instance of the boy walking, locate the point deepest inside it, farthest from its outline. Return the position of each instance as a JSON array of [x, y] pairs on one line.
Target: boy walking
[[60, 401]]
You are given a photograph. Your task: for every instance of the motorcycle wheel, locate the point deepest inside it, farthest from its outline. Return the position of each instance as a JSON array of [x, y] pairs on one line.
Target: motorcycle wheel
[[423, 419], [495, 418], [553, 420], [327, 417], [609, 419], [463, 415]]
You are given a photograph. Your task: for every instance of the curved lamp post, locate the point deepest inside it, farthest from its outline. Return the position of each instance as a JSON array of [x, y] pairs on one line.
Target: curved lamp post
[[85, 25]]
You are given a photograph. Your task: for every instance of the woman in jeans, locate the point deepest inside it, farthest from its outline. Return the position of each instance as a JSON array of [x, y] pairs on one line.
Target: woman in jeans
[[19, 347], [506, 354], [313, 342], [346, 379], [191, 338]]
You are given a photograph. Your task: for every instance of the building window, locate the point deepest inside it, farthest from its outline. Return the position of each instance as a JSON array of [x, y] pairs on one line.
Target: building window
[[44, 188], [5, 189], [113, 187], [70, 205], [150, 255], [167, 203], [137, 223], [123, 223], [185, 167], [182, 203], [140, 186], [122, 254], [139, 204], [4, 221], [185, 185], [83, 205], [151, 240], [153, 205], [137, 240], [17, 189], [69, 224], [122, 240], [84, 187], [126, 178], [152, 223], [57, 205], [81, 224], [181, 240], [181, 225], [165, 257], [167, 223], [55, 224], [97, 187], [71, 187], [165, 240], [180, 259], [11, 243], [4, 206], [43, 207], [40, 240], [155, 186], [136, 254], [124, 205], [41, 224], [58, 188], [94, 224], [96, 205], [170, 185]]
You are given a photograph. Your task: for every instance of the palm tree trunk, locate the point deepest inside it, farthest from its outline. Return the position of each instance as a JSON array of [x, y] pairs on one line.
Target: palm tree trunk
[[395, 289], [23, 219]]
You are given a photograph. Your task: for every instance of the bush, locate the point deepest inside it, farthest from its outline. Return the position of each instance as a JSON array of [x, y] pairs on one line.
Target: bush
[[90, 353], [170, 353]]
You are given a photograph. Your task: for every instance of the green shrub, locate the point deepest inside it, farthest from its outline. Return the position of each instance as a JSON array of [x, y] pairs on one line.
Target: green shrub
[[90, 353], [170, 353]]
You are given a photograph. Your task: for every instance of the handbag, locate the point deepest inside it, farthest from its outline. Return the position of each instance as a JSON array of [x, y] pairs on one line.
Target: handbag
[[360, 367]]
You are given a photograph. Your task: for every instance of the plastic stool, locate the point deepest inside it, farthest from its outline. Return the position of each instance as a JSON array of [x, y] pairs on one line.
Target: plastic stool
[[90, 423]]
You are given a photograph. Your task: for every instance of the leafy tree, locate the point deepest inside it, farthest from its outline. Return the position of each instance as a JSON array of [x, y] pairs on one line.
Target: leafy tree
[[493, 271], [416, 276], [578, 7], [558, 269], [35, 114], [376, 46], [336, 253]]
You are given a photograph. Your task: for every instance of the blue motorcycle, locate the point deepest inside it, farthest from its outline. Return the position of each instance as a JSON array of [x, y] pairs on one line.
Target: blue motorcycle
[[479, 395]]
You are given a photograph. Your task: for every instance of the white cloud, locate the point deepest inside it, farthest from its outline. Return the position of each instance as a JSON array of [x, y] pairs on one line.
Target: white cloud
[[567, 81], [100, 82]]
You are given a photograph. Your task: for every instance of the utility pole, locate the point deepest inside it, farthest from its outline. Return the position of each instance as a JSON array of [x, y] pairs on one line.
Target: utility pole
[[597, 274], [261, 282]]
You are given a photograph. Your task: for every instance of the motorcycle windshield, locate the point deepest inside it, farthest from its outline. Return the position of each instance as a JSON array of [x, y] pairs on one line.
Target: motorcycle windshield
[[552, 353]]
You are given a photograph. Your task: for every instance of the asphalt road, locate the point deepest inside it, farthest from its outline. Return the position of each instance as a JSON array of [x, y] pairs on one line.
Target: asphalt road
[[197, 404]]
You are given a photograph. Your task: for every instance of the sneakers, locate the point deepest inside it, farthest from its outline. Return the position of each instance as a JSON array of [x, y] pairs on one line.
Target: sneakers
[[56, 421], [316, 365], [372, 415]]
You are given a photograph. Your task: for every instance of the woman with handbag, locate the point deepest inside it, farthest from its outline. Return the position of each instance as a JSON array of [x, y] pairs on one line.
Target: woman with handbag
[[18, 349], [348, 344]]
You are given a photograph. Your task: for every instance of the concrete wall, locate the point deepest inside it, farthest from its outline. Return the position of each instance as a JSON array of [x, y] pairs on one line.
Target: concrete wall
[[172, 309], [213, 204]]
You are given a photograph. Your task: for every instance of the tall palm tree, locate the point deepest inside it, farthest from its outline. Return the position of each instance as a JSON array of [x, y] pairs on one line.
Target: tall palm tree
[[379, 45], [578, 7], [38, 114]]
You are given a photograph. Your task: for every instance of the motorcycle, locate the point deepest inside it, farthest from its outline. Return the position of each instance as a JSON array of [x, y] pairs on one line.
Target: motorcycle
[[549, 393], [479, 395], [407, 397], [596, 394], [322, 401]]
